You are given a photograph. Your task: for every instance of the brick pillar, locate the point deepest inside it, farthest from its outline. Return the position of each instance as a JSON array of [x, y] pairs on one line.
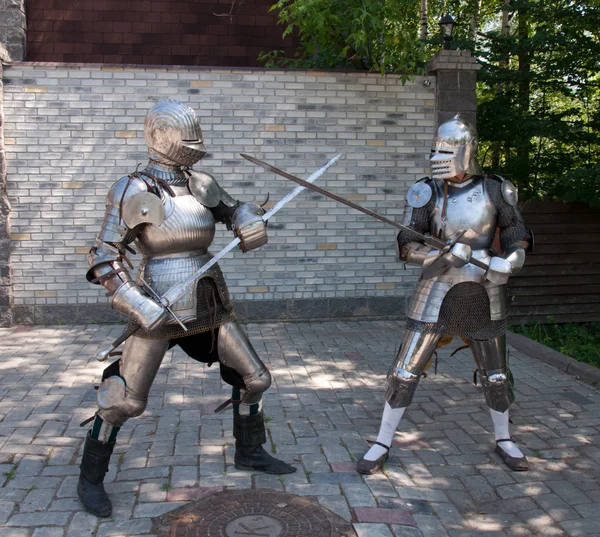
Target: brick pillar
[[6, 318], [13, 28], [456, 75]]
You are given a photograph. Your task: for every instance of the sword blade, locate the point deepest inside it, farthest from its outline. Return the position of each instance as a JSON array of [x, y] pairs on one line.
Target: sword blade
[[179, 289], [430, 241]]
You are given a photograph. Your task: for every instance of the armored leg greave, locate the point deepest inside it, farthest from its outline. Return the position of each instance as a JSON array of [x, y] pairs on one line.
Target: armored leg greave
[[405, 373], [94, 465], [495, 376], [123, 393], [237, 353]]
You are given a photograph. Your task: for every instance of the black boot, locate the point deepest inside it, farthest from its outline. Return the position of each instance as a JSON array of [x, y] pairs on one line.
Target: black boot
[[249, 433], [254, 457], [94, 465]]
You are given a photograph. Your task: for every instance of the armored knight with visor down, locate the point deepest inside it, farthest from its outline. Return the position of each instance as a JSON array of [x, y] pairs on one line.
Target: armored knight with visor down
[[168, 212], [462, 206]]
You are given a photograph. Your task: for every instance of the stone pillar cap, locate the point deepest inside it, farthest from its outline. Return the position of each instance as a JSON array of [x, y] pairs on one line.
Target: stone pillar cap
[[453, 60]]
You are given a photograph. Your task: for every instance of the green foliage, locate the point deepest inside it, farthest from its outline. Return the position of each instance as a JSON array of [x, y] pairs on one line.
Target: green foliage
[[578, 340], [539, 99], [374, 35]]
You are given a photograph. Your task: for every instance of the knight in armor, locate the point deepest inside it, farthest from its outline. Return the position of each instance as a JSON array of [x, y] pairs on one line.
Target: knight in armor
[[464, 207], [168, 211]]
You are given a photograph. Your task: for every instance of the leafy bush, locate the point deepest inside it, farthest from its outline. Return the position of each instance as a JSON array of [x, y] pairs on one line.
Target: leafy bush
[[580, 341]]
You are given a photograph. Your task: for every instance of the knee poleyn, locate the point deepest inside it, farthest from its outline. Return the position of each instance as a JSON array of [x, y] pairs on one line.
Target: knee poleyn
[[402, 385], [116, 403], [497, 388], [258, 383]]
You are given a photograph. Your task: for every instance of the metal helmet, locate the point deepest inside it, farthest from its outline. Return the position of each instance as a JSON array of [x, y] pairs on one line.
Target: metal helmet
[[173, 133], [454, 151]]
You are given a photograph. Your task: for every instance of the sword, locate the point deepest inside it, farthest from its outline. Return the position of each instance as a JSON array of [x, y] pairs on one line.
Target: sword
[[430, 241], [180, 289]]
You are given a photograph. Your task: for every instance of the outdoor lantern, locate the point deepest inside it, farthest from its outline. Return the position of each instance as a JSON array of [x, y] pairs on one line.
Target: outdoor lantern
[[447, 24]]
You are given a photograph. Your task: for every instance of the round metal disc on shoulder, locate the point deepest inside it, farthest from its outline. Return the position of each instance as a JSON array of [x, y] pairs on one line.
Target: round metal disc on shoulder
[[419, 195], [204, 188], [510, 193], [143, 208]]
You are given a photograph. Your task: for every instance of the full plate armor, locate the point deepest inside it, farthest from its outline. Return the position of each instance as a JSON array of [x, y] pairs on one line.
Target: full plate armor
[[169, 211], [464, 207]]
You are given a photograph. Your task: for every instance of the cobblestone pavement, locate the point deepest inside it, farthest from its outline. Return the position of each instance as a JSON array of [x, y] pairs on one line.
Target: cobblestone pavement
[[324, 407]]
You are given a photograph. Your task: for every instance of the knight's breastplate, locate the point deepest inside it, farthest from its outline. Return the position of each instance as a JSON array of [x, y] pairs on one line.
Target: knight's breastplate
[[178, 248], [468, 209]]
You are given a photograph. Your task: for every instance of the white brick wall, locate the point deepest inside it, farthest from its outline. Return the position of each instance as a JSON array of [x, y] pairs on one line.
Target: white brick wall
[[71, 131]]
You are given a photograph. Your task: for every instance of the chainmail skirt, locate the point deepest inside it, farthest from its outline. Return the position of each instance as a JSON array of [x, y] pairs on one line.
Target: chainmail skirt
[[465, 313]]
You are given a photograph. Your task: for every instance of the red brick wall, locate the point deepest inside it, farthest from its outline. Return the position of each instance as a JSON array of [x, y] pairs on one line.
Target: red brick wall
[[175, 32]]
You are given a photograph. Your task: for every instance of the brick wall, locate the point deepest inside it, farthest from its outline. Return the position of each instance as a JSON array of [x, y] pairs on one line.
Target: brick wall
[[71, 131], [174, 32]]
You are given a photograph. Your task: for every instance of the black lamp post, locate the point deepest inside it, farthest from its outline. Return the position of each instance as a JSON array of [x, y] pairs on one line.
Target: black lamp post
[[447, 24]]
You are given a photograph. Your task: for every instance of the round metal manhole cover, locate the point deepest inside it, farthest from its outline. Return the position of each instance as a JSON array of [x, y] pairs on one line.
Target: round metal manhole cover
[[252, 513], [255, 525]]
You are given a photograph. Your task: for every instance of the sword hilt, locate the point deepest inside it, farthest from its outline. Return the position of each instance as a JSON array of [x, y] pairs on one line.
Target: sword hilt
[[127, 333]]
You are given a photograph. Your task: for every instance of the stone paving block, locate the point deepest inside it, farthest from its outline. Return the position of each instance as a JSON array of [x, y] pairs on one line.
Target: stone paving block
[[522, 489], [155, 509], [125, 527], [405, 531], [54, 518], [430, 526], [49, 532], [416, 493], [578, 528], [337, 505], [556, 507], [568, 492], [383, 515], [372, 530], [30, 466], [332, 477], [358, 495], [37, 500], [540, 523], [312, 490], [83, 524], [15, 532]]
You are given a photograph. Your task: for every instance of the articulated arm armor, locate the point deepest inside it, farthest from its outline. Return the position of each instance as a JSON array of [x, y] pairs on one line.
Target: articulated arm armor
[[515, 238], [128, 199], [244, 219]]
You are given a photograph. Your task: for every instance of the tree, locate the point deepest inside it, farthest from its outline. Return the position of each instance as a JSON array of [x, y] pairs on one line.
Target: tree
[[374, 35], [539, 98]]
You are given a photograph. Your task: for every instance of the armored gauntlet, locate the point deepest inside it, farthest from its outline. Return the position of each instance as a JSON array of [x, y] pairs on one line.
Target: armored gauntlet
[[436, 263], [145, 311], [249, 226]]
